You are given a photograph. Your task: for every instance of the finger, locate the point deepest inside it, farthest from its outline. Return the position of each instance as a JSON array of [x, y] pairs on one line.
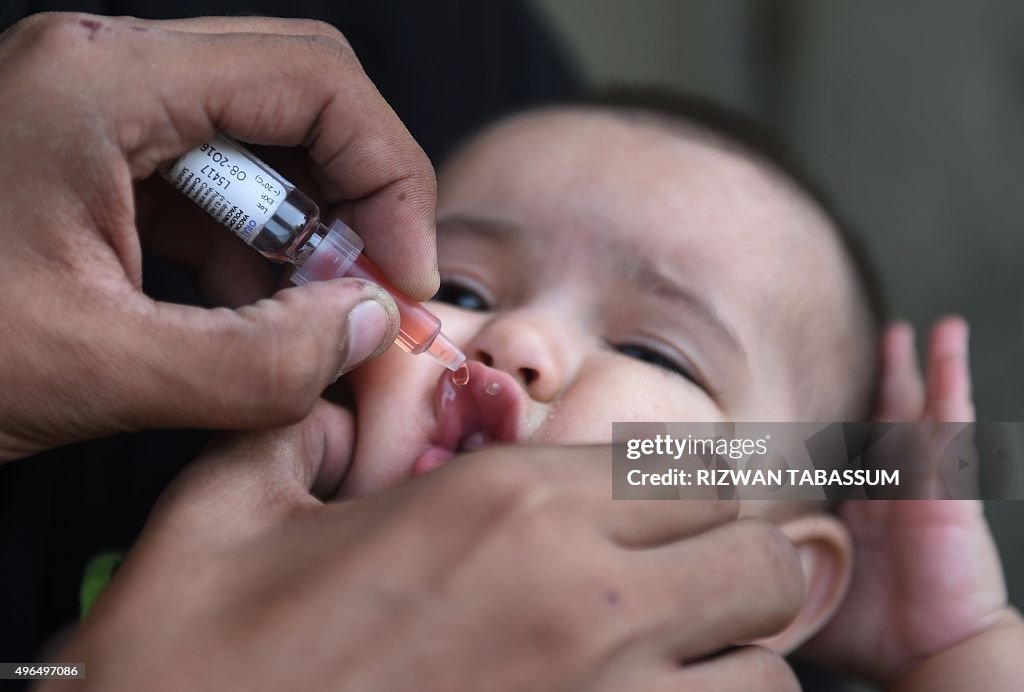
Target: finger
[[738, 670], [290, 89], [242, 25], [585, 471], [244, 482], [749, 604], [259, 366], [629, 523], [901, 394], [949, 378], [308, 458], [645, 523]]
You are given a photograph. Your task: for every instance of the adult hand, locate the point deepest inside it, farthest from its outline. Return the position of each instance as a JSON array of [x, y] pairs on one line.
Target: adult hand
[[926, 574], [91, 105], [510, 569]]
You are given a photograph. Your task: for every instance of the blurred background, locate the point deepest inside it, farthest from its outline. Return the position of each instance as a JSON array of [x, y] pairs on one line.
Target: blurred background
[[909, 114]]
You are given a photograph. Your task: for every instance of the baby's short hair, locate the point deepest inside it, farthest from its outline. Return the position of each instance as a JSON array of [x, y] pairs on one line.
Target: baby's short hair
[[851, 362]]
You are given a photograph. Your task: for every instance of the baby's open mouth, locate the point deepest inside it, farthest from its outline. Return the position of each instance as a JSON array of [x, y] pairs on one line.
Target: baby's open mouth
[[485, 411]]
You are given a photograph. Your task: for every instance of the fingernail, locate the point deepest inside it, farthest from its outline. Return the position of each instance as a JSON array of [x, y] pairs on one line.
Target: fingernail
[[366, 329]]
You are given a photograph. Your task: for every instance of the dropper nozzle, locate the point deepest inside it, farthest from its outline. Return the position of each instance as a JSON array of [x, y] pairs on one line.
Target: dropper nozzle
[[446, 353]]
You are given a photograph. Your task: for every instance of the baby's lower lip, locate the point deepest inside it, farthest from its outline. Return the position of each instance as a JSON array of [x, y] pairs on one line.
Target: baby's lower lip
[[430, 459]]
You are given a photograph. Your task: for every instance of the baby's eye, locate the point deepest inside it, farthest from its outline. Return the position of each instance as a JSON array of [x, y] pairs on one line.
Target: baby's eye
[[649, 355], [460, 295]]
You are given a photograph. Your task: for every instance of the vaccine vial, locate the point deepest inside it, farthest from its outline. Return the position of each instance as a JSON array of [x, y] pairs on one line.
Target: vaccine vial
[[280, 222]]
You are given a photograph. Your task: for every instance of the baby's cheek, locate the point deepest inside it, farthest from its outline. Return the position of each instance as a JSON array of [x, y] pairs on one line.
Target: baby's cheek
[[381, 378], [623, 394], [656, 394]]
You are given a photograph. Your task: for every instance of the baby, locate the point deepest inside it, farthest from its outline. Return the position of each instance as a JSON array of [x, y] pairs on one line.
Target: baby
[[608, 263], [615, 263], [632, 262]]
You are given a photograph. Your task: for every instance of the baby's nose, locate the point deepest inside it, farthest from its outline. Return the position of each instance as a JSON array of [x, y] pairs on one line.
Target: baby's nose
[[524, 351]]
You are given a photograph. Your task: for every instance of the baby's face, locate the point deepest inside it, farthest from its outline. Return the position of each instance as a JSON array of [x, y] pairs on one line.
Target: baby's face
[[595, 270]]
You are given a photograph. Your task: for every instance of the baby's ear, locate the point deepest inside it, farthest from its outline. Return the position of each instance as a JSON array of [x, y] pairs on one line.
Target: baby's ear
[[826, 554]]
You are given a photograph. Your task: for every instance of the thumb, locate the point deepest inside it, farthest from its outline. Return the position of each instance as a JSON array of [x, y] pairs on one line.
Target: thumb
[[243, 483], [261, 365]]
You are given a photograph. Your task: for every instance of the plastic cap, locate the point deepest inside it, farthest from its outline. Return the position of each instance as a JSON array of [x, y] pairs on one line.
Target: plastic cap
[[333, 257]]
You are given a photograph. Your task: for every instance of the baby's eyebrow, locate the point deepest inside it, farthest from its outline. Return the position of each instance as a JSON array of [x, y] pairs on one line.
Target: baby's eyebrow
[[646, 275], [495, 229]]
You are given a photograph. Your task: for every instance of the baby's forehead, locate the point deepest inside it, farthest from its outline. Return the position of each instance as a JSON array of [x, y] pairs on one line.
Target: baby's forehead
[[608, 163], [684, 197]]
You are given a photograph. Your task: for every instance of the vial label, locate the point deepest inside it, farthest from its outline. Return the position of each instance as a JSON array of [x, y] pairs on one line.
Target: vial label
[[229, 186]]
